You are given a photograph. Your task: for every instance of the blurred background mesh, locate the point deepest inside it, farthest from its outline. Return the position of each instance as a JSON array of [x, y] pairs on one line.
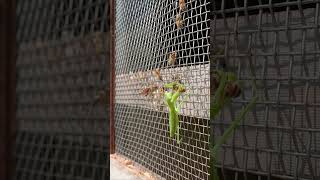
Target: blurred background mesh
[[62, 81], [280, 39]]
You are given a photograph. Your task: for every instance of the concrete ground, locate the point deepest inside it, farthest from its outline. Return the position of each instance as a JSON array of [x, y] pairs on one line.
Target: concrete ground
[[120, 172]]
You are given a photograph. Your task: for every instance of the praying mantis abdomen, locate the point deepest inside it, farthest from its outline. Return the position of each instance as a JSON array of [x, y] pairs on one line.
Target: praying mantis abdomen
[[172, 122]]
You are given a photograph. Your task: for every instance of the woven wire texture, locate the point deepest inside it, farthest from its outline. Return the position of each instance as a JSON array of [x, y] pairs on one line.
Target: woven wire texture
[[147, 34], [61, 90], [279, 139]]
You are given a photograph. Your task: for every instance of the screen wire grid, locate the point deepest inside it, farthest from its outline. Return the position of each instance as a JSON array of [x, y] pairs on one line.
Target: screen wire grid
[[147, 34]]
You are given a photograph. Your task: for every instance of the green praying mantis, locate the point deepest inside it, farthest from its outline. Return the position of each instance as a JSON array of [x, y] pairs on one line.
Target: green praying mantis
[[227, 88], [171, 91], [171, 98]]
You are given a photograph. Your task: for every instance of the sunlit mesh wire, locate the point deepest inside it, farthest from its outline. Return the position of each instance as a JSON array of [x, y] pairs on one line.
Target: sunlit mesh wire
[[146, 35], [280, 137], [61, 89]]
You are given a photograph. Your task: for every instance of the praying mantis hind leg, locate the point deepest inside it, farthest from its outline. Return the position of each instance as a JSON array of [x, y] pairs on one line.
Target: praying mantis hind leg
[[178, 135], [178, 130]]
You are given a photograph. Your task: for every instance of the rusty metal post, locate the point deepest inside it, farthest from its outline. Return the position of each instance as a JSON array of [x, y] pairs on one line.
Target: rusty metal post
[[7, 87], [112, 82]]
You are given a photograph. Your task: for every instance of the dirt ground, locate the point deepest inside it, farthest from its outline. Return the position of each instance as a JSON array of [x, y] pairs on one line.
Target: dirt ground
[[122, 168]]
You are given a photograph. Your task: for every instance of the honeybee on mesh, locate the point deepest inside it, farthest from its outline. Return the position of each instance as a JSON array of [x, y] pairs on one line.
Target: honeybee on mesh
[[172, 58], [182, 5], [157, 74], [179, 21], [149, 90]]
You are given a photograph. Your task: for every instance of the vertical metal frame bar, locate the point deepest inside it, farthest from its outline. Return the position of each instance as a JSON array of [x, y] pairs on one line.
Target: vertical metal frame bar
[[112, 85], [7, 87]]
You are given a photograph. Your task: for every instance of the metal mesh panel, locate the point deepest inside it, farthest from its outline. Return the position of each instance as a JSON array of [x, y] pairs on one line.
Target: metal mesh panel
[[49, 19], [146, 35], [61, 90], [280, 138]]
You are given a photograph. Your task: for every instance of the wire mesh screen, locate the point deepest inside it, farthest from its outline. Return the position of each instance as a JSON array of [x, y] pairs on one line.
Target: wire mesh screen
[[280, 38], [171, 39], [61, 90]]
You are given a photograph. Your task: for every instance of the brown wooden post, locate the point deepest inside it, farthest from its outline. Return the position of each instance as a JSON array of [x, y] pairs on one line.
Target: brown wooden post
[[7, 88], [112, 82]]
